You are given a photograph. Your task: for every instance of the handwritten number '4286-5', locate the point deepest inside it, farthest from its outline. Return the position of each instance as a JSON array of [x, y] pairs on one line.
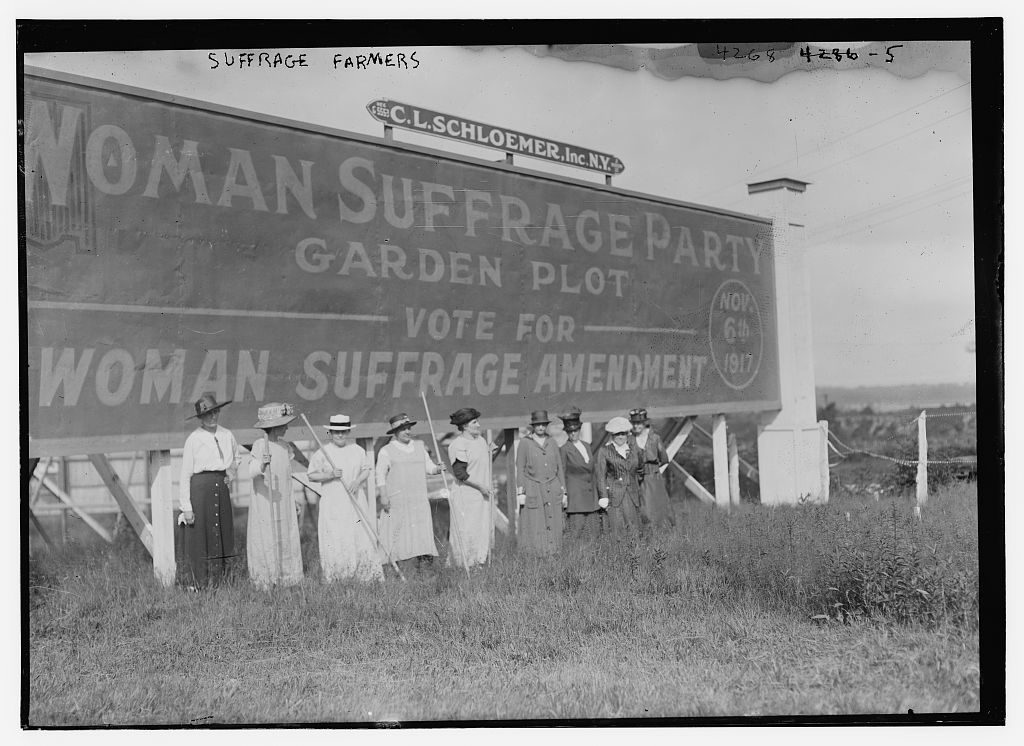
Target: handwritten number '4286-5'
[[839, 55]]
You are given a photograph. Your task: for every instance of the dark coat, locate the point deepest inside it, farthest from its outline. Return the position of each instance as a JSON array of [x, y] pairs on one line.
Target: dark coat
[[579, 479], [617, 477]]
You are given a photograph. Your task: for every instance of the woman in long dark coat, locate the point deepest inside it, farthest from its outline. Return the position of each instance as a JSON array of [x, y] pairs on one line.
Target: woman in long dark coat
[[654, 502], [617, 470], [540, 488], [583, 512]]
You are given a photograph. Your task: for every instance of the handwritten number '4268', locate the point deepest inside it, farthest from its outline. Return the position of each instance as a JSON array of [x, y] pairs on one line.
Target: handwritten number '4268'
[[737, 54]]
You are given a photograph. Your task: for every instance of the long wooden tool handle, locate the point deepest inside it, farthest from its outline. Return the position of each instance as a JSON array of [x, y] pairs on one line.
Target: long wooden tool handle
[[355, 502], [451, 505]]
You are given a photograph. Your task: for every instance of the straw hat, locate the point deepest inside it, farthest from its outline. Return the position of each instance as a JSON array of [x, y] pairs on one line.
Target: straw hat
[[398, 422], [274, 415], [207, 403], [339, 423]]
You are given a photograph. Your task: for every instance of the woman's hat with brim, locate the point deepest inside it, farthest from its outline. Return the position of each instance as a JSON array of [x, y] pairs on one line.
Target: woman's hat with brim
[[274, 415], [539, 417], [464, 416], [638, 415], [207, 403], [340, 423], [571, 419], [617, 425], [398, 422]]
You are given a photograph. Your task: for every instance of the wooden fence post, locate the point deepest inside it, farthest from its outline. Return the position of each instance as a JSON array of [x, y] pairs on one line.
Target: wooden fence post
[[826, 480], [922, 460], [161, 510], [510, 484], [734, 472], [720, 448]]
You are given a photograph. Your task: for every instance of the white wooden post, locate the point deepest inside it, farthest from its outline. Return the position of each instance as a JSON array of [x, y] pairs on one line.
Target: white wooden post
[[734, 472], [161, 510], [677, 442], [720, 449], [922, 460], [823, 460]]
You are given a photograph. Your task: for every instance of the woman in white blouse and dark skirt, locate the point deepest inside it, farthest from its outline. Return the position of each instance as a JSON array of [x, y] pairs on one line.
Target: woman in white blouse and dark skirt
[[209, 462]]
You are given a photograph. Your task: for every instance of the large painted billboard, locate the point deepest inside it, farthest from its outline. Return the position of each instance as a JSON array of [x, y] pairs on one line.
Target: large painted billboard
[[176, 247]]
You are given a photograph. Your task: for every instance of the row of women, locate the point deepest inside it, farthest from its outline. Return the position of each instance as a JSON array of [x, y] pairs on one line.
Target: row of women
[[619, 487]]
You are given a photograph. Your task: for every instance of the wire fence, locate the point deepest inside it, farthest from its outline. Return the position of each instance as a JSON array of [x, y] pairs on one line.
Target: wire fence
[[845, 451]]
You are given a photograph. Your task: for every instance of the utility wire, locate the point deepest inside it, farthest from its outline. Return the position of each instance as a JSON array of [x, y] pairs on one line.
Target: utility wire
[[887, 206], [834, 142], [896, 217]]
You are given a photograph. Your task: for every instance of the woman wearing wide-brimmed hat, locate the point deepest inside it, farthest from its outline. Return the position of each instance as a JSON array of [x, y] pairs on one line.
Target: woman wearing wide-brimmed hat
[[346, 549], [654, 501], [583, 512], [617, 468], [405, 525], [209, 461], [471, 495], [540, 488], [272, 532]]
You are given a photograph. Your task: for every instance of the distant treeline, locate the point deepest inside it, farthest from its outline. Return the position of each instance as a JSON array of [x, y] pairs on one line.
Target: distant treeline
[[887, 398]]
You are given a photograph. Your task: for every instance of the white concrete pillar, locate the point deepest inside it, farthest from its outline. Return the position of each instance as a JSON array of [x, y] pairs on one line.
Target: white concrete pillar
[[789, 440]]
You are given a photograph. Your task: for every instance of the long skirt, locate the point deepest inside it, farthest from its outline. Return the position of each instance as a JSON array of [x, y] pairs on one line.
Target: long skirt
[[656, 508], [623, 516], [209, 543], [583, 526]]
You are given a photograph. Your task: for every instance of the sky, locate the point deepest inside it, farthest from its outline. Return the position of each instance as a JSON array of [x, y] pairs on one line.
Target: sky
[[888, 212]]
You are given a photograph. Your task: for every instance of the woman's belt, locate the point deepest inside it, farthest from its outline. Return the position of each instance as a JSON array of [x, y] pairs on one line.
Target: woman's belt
[[540, 481]]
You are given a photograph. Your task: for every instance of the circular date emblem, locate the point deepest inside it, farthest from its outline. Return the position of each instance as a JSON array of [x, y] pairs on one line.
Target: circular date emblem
[[735, 335]]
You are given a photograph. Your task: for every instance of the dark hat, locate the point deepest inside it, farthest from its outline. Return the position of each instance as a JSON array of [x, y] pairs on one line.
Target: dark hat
[[571, 419], [207, 403], [464, 416], [341, 423], [274, 415], [638, 415], [539, 417], [398, 422]]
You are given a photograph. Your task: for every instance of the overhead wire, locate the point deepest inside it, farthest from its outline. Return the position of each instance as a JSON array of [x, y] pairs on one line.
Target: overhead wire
[[832, 143]]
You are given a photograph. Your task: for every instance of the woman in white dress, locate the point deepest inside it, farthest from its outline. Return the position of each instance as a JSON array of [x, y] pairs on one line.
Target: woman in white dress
[[405, 526], [472, 494], [272, 533], [346, 547]]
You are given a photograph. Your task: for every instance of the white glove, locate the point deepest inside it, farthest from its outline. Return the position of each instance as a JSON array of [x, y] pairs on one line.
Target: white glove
[[565, 500], [444, 493], [521, 499], [603, 502]]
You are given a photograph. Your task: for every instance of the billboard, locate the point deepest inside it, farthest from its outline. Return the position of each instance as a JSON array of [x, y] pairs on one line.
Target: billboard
[[176, 247]]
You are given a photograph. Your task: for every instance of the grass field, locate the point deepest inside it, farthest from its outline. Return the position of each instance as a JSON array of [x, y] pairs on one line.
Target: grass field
[[853, 607]]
